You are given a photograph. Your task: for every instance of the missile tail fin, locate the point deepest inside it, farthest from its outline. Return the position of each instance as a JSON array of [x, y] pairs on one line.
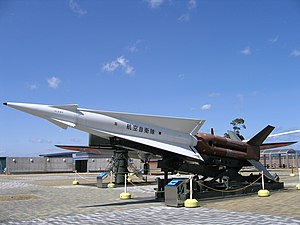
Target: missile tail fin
[[233, 136], [259, 138], [260, 168]]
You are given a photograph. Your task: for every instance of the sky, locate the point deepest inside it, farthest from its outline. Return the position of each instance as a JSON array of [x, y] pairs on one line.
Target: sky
[[204, 59]]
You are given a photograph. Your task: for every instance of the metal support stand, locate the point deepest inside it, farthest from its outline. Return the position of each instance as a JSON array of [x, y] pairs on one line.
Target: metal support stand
[[120, 164]]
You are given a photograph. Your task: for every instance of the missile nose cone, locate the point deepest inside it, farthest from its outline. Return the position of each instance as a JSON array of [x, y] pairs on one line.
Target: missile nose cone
[[5, 103]]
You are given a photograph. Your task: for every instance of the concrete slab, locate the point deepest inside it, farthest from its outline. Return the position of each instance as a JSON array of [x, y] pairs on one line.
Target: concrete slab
[[52, 199]]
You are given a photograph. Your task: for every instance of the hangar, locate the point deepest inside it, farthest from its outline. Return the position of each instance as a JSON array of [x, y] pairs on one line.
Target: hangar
[[65, 162], [281, 158]]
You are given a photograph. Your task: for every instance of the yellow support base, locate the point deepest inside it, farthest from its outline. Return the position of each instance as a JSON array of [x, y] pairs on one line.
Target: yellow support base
[[75, 182], [292, 175], [129, 180], [125, 195], [191, 203], [111, 185], [178, 174], [263, 193], [298, 186]]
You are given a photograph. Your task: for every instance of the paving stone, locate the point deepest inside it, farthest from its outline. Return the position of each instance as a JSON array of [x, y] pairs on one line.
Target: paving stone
[[87, 204]]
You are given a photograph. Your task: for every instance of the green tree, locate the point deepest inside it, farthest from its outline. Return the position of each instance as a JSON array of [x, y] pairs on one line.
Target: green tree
[[237, 125]]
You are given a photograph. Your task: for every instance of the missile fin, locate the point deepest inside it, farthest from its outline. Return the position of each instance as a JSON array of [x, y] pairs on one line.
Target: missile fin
[[71, 107], [260, 168], [259, 138], [197, 127], [233, 136], [62, 124], [169, 147], [276, 145], [184, 125]]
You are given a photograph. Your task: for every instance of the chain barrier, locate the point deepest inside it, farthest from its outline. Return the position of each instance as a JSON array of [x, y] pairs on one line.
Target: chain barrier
[[77, 174], [276, 181], [186, 181], [228, 191], [140, 187]]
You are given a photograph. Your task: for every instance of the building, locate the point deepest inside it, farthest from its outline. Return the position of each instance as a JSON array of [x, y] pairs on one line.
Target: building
[[280, 158], [66, 162]]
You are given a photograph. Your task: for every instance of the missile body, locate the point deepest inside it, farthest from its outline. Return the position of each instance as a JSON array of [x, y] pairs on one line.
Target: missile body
[[144, 129], [166, 135]]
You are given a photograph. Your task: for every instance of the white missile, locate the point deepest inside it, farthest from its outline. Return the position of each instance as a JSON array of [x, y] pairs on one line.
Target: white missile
[[169, 134]]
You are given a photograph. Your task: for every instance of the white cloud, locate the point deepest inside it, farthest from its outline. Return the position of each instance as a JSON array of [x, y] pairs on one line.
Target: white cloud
[[184, 18], [134, 47], [129, 70], [120, 62], [246, 51], [53, 82], [274, 40], [206, 107], [110, 67], [295, 53], [31, 86], [213, 94], [192, 4], [154, 3], [292, 135], [75, 7]]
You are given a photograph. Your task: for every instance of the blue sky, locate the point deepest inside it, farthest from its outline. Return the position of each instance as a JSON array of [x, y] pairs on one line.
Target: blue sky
[[212, 60]]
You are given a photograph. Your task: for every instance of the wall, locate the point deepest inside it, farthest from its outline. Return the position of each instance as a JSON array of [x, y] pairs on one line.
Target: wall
[[275, 162], [101, 164], [17, 165]]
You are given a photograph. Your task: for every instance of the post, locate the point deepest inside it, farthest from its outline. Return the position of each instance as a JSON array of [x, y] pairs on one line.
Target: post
[[297, 163], [111, 184], [298, 185], [75, 181], [191, 203], [263, 192], [293, 163], [125, 184], [279, 159], [125, 195], [262, 180], [191, 187], [265, 160]]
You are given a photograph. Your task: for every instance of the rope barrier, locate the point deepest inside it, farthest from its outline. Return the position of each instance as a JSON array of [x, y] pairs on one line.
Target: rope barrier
[[187, 180], [277, 181], [77, 174], [228, 191], [140, 187]]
